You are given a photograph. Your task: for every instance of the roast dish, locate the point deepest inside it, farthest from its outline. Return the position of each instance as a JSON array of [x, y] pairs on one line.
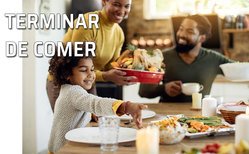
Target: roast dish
[[140, 59]]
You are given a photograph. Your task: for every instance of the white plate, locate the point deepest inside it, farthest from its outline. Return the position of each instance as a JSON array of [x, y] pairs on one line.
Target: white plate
[[92, 135], [223, 131], [145, 115]]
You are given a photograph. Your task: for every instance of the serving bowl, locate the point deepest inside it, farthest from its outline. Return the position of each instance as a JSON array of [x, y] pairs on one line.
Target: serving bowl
[[144, 76], [236, 71], [172, 135], [170, 130]]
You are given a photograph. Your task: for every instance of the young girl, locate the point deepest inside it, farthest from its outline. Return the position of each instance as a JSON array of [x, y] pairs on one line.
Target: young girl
[[74, 105]]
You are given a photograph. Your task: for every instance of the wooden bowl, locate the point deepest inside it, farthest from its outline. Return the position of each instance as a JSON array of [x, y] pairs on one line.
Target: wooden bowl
[[229, 116]]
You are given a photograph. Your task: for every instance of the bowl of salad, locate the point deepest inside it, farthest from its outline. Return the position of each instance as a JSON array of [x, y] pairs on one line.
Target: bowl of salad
[[171, 131]]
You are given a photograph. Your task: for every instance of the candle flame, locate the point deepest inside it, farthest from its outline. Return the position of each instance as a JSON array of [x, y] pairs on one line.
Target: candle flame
[[247, 110]]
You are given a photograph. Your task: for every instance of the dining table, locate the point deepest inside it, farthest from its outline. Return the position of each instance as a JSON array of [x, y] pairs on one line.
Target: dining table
[[161, 110]]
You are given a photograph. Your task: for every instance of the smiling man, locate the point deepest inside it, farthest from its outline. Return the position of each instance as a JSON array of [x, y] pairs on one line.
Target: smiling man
[[188, 62]]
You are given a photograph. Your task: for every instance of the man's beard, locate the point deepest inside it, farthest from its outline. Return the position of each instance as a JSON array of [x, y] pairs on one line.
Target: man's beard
[[184, 48]]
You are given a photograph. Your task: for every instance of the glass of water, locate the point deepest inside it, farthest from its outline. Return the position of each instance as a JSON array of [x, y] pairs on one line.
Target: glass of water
[[109, 129]]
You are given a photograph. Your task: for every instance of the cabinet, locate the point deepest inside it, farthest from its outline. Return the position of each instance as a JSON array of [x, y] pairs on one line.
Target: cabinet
[[235, 44]]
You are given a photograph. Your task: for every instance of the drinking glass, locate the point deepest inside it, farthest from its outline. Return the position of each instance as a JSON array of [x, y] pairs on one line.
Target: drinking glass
[[109, 129]]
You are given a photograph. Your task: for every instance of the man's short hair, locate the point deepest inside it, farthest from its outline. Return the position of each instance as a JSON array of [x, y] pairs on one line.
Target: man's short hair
[[204, 26]]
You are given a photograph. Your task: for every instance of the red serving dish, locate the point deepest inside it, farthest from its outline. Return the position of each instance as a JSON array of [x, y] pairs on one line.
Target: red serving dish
[[144, 76]]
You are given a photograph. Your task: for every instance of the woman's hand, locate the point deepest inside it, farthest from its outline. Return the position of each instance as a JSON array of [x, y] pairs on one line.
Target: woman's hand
[[118, 77], [134, 110], [173, 88]]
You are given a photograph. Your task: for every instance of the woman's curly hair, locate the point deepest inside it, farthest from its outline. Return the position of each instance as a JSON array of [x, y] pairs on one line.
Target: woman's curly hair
[[61, 66]]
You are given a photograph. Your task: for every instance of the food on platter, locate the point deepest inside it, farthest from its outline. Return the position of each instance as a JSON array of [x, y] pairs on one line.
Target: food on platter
[[216, 148], [171, 130], [140, 59], [209, 148], [203, 124], [145, 65]]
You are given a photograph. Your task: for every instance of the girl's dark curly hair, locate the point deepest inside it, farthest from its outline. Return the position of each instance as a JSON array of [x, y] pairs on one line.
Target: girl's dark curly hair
[[61, 66]]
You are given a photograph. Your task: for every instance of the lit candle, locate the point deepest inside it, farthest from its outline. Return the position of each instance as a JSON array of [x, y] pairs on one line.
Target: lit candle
[[147, 141], [242, 127], [208, 107]]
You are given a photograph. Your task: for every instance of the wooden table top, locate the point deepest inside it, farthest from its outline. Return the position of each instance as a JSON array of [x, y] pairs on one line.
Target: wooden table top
[[130, 148]]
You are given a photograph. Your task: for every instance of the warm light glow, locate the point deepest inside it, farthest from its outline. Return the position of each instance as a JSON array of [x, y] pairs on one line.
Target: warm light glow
[[160, 9], [147, 140], [247, 110]]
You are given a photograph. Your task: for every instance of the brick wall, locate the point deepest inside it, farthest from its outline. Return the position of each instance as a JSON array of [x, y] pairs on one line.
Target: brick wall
[[137, 26]]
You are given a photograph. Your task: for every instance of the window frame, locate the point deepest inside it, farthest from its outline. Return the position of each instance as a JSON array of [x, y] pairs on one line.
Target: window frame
[[150, 13]]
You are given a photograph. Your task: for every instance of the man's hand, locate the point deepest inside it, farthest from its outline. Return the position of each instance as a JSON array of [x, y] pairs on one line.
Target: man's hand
[[173, 88]]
